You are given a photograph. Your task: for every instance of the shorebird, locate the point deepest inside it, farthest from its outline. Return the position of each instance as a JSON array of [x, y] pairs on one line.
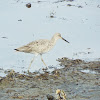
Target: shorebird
[[40, 47]]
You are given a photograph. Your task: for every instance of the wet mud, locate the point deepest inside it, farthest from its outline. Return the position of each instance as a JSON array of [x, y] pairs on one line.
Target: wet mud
[[76, 85]]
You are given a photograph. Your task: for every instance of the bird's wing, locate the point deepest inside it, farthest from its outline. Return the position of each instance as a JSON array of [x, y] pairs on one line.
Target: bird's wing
[[35, 46]]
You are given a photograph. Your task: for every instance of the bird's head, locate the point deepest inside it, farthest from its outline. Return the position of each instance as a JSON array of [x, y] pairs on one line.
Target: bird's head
[[58, 36]]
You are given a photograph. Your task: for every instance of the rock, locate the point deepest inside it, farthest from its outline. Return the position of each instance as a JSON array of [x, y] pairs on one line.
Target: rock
[[28, 5], [50, 97]]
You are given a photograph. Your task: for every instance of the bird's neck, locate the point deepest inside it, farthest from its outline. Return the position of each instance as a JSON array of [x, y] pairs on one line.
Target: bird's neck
[[53, 40]]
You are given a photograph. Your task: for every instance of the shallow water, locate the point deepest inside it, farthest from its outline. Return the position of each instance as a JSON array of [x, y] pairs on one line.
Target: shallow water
[[89, 71], [20, 25]]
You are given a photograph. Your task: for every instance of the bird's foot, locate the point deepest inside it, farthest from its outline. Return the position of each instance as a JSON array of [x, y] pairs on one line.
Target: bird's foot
[[45, 69], [28, 72]]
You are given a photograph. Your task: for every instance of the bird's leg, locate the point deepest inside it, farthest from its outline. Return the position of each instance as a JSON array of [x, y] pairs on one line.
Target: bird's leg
[[43, 61], [30, 64]]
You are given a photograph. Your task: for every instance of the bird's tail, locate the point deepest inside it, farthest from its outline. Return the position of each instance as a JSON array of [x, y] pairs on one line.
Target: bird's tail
[[16, 49]]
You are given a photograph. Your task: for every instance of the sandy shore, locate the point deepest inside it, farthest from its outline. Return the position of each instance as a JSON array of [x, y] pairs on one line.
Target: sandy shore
[[77, 85]]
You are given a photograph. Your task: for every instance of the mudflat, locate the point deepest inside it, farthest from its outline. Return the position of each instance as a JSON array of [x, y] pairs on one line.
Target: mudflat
[[77, 84]]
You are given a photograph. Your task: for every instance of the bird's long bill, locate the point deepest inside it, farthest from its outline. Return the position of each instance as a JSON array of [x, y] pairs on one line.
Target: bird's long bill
[[64, 40]]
